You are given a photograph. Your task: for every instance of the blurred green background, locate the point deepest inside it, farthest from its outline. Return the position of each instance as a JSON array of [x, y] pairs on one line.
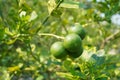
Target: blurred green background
[[24, 47]]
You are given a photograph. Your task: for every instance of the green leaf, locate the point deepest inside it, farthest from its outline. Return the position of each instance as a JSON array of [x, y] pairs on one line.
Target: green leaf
[[56, 12], [7, 31], [11, 41], [79, 74], [2, 32], [66, 63], [102, 77], [70, 4], [82, 5], [51, 5], [21, 2], [33, 16], [4, 74], [65, 75], [99, 60], [25, 7], [73, 4], [40, 78]]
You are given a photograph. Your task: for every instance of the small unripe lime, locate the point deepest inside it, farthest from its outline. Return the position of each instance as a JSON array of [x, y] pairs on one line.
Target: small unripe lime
[[58, 51], [72, 42], [76, 53], [78, 29]]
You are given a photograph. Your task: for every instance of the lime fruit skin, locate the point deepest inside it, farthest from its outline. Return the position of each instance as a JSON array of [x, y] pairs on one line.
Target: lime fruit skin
[[72, 42], [76, 53], [58, 51], [78, 30]]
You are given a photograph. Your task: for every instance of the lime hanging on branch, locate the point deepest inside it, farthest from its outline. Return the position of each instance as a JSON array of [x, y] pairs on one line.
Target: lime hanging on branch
[[58, 51], [76, 53], [72, 42], [78, 29], [71, 45]]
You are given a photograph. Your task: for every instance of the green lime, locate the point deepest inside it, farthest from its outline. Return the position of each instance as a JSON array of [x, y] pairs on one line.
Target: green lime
[[72, 42], [58, 51], [78, 29], [76, 53]]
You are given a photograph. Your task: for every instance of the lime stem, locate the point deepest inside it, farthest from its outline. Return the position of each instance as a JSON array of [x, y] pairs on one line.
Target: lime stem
[[53, 35]]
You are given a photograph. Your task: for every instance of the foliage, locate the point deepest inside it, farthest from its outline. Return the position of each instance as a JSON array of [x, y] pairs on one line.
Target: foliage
[[28, 28]]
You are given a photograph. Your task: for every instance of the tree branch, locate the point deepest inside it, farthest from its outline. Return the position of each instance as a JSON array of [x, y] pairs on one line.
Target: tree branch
[[45, 20], [111, 37], [52, 35]]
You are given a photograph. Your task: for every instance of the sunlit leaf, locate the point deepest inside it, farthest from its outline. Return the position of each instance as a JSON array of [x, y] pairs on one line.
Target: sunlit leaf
[[22, 13], [7, 31], [4, 74], [11, 41], [66, 63], [40, 78], [14, 68], [70, 4], [21, 2], [51, 5], [102, 77], [30, 68], [67, 75], [33, 16]]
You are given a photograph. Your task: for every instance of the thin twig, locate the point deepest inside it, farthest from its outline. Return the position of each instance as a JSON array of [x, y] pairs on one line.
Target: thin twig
[[33, 54], [46, 19], [109, 38], [65, 29], [52, 35], [60, 1]]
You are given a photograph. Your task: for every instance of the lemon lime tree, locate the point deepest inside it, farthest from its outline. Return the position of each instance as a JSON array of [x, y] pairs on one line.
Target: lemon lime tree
[[59, 40]]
